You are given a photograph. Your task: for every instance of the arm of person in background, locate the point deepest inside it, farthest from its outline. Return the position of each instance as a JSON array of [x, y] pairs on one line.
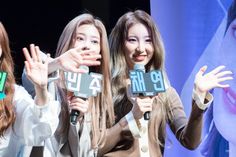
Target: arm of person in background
[[36, 119], [69, 61], [190, 134]]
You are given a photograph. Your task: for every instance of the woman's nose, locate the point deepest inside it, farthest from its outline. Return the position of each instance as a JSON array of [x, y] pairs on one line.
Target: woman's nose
[[141, 47], [86, 46]]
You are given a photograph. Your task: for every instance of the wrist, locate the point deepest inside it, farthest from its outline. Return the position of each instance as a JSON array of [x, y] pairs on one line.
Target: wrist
[[40, 88], [54, 65], [41, 95], [202, 100]]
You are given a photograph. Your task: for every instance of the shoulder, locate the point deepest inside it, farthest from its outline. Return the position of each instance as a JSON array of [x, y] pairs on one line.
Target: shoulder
[[20, 93], [20, 89]]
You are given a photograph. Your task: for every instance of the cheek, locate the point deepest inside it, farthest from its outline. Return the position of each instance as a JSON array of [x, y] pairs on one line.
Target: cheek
[[129, 49], [150, 52], [76, 44], [96, 49]]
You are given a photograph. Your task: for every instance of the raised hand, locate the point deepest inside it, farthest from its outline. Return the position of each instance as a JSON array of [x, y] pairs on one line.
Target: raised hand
[[215, 78], [73, 58], [36, 69]]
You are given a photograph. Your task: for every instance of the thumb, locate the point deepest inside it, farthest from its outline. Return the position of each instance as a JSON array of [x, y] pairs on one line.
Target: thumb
[[202, 70]]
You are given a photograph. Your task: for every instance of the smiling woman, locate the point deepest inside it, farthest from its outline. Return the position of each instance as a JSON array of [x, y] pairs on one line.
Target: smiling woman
[[138, 46], [224, 110], [135, 39]]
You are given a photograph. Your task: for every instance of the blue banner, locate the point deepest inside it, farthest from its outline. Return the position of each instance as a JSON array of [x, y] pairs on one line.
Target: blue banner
[[192, 31]]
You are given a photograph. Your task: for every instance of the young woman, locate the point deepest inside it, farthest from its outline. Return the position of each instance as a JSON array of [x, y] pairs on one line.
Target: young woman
[[82, 42], [221, 136], [136, 40], [24, 121]]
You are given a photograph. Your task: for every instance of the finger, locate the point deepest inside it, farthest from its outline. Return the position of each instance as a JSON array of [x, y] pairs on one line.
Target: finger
[[83, 52], [223, 73], [76, 104], [225, 79], [91, 56], [217, 69], [145, 109], [144, 99], [27, 55], [33, 53], [223, 85], [79, 108], [78, 100], [202, 70], [47, 58], [90, 62], [27, 67], [37, 50], [74, 69]]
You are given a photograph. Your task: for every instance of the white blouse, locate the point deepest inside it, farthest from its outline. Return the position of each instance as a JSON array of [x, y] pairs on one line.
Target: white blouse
[[32, 126]]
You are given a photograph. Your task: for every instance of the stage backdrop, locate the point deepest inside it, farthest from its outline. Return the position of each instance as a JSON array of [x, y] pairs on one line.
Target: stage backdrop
[[191, 30]]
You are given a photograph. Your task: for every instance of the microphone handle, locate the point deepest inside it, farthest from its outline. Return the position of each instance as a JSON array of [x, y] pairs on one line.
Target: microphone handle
[[74, 115], [147, 115]]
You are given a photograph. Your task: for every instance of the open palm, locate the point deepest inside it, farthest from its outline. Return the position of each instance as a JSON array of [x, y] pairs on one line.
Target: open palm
[[36, 69], [213, 79]]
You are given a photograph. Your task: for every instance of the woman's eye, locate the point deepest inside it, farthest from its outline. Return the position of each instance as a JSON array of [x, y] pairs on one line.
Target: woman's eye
[[149, 40], [131, 39], [95, 42], [79, 38]]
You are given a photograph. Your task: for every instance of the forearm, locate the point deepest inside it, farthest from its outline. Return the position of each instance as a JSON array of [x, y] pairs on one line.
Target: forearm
[[41, 97], [53, 65], [190, 135]]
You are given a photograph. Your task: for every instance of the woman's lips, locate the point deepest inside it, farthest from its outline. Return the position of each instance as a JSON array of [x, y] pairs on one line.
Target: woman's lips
[[139, 58], [229, 97]]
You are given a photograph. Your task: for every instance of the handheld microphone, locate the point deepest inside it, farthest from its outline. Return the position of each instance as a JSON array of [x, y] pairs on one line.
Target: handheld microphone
[[75, 113], [82, 85], [141, 67], [146, 84]]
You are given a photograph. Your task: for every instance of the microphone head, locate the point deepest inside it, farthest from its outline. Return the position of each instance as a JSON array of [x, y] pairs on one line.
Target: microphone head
[[139, 67], [85, 68]]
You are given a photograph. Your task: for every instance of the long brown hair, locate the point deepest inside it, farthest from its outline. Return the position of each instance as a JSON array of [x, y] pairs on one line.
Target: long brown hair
[[117, 40], [102, 109], [7, 114]]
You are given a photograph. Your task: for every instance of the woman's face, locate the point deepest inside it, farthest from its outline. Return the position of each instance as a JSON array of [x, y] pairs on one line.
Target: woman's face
[[138, 46], [87, 38], [224, 112]]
